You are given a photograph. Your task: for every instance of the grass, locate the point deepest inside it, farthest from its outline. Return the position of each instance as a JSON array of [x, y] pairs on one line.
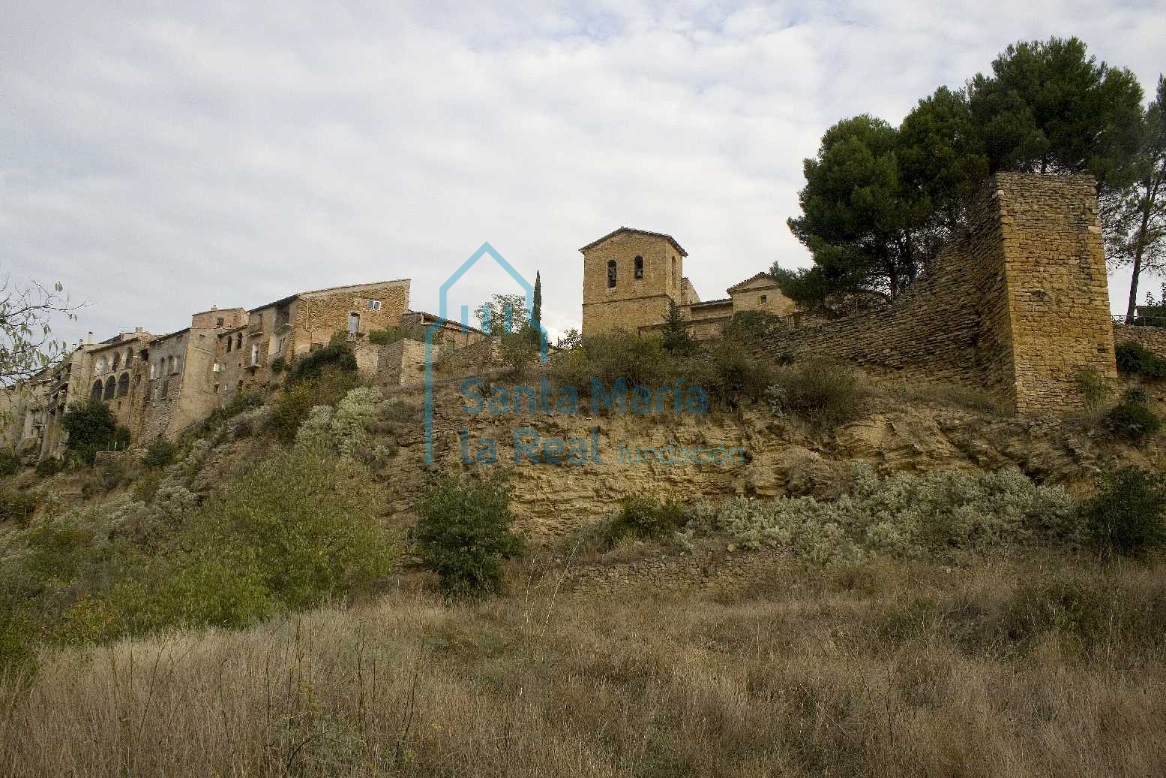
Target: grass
[[997, 669]]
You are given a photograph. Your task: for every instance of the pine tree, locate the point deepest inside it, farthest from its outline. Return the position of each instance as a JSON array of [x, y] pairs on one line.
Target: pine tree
[[676, 337]]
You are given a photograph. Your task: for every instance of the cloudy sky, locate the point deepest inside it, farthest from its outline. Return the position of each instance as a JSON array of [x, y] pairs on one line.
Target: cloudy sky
[[158, 161]]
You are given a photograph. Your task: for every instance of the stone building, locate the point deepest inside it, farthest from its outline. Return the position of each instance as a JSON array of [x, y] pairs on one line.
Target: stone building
[[157, 386], [630, 276], [276, 333]]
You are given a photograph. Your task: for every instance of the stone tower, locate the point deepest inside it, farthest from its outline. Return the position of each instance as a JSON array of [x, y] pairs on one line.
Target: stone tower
[[629, 276]]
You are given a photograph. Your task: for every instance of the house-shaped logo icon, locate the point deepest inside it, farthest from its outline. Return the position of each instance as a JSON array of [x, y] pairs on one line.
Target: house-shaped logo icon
[[443, 317]]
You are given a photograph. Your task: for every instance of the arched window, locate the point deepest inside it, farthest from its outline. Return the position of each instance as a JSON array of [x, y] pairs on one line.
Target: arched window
[[116, 360], [230, 342], [171, 364], [675, 280], [123, 385], [110, 388], [639, 268], [95, 394], [239, 340], [611, 274]]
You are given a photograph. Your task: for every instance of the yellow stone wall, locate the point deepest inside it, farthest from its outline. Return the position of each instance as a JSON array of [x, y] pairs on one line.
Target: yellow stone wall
[[1017, 303], [632, 303]]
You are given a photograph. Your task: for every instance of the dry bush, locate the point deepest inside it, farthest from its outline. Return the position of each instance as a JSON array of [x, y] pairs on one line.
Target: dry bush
[[998, 670]]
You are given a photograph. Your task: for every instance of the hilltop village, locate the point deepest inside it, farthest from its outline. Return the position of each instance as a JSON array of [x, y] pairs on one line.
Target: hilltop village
[[159, 385]]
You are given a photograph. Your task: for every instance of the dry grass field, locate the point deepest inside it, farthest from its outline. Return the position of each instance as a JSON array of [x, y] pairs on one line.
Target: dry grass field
[[1046, 666]]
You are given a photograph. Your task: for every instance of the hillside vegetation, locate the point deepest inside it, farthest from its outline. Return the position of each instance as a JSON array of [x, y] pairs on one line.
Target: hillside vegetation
[[289, 590]]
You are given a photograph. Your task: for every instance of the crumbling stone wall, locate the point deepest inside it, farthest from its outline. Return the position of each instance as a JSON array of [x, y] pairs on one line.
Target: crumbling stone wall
[[1153, 338], [1017, 304]]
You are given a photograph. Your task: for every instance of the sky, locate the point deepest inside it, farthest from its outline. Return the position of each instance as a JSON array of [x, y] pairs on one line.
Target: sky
[[158, 161]]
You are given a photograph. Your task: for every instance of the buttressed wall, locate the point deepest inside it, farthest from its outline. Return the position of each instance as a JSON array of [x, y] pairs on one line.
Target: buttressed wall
[[1017, 304]]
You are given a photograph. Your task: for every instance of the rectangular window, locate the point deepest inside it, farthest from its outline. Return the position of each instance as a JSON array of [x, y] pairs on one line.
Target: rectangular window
[[639, 268], [374, 305], [611, 274]]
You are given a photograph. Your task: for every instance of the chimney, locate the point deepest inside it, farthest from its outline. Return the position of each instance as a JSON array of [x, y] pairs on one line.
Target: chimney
[[214, 307], [89, 338], [137, 330]]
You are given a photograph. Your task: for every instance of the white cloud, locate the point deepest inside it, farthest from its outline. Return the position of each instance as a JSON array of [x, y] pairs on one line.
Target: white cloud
[[160, 162]]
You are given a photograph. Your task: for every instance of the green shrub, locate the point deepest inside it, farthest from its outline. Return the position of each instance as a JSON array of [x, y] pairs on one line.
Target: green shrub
[[1093, 387], [907, 516], [752, 326], [113, 474], [393, 334], [49, 466], [17, 506], [159, 454], [463, 534], [1132, 418], [336, 355], [278, 365], [9, 463], [18, 630], [92, 427], [732, 376], [517, 352], [639, 360], [824, 394], [676, 339], [291, 408], [645, 518], [1135, 359], [1128, 513]]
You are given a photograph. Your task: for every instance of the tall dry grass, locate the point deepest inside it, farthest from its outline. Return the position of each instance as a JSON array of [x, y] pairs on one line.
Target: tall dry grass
[[1000, 669]]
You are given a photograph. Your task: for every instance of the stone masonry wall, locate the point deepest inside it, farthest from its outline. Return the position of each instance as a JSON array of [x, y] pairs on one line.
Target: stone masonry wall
[[1153, 338], [632, 302], [1057, 287], [1017, 304]]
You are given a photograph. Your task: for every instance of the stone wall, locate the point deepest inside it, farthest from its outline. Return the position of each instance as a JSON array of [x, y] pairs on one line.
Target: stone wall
[[1017, 304], [1153, 338], [632, 302], [1057, 285], [319, 315]]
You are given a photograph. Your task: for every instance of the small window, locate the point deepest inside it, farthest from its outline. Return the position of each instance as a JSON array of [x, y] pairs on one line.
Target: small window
[[219, 322], [374, 305], [675, 280], [611, 274], [639, 268], [239, 340], [229, 341], [764, 298]]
